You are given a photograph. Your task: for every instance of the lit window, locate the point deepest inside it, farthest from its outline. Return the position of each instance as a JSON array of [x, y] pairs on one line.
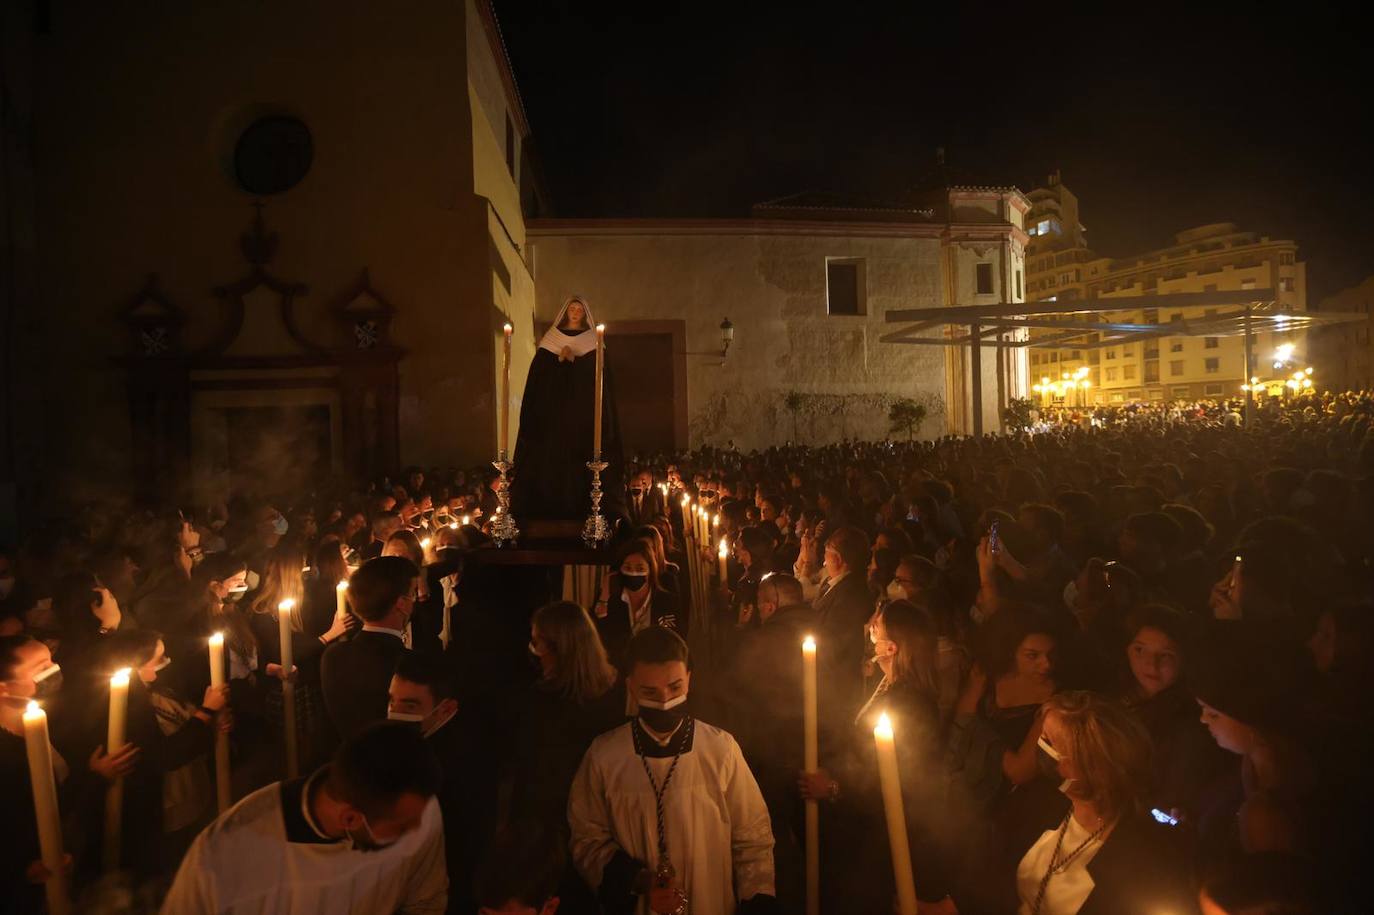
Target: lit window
[[1043, 227]]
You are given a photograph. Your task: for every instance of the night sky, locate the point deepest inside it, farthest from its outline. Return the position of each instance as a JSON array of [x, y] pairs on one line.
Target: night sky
[[1158, 122]]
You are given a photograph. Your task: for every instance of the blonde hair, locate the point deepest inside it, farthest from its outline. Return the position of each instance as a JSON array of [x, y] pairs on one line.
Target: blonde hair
[[1109, 747], [581, 670], [282, 580]]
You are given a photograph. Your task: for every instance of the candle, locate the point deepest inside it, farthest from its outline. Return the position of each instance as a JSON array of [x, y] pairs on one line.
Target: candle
[[724, 554], [45, 806], [505, 390], [114, 795], [222, 792], [341, 600], [467, 519], [811, 762], [288, 689], [896, 816], [600, 368]]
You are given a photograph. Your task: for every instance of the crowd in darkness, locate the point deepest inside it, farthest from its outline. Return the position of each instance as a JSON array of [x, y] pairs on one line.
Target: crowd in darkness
[[1122, 656]]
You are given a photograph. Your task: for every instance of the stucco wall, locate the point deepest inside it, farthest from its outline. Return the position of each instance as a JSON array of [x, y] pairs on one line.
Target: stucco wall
[[773, 288]]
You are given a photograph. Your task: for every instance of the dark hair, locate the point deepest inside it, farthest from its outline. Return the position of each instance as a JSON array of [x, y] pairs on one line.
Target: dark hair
[[216, 567], [131, 647], [1157, 528], [9, 653], [786, 589], [852, 545], [379, 764], [1167, 620], [1000, 636], [523, 865], [915, 636], [378, 584], [655, 645], [72, 599], [760, 545], [425, 670], [1043, 520]]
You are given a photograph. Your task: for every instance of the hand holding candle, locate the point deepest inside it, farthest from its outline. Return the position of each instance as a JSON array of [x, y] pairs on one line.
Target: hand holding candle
[[890, 777], [45, 807]]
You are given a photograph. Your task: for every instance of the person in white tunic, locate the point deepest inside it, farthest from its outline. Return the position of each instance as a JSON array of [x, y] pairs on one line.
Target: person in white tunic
[[665, 815], [360, 835]]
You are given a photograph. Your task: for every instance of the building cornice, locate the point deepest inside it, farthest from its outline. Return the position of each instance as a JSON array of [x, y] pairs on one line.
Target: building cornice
[[549, 228]]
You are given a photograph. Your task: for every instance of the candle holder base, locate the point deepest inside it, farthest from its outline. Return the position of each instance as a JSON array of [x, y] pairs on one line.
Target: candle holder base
[[503, 529], [596, 531]]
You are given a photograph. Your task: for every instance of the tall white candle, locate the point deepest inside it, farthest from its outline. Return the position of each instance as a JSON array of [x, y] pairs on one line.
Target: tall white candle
[[600, 369], [114, 794], [288, 689], [724, 555], [811, 762], [45, 807], [341, 600], [507, 330], [223, 794], [891, 780]]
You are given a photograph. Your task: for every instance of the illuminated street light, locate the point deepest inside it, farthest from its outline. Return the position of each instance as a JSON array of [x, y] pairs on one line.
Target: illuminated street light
[[1283, 353]]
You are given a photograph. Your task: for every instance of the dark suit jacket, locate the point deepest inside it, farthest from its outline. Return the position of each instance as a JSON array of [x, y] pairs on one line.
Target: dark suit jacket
[[614, 627], [354, 677], [843, 611], [651, 505]]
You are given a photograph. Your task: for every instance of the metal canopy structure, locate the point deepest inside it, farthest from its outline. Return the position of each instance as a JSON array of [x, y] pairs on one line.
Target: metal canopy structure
[[1083, 325]]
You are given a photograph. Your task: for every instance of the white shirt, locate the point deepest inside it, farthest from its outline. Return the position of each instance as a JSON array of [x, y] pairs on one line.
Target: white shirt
[[1068, 889], [720, 840], [242, 863], [639, 619]]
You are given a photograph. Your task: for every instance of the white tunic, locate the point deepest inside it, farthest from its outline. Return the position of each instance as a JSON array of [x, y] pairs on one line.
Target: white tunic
[[719, 838], [242, 863], [1068, 890]]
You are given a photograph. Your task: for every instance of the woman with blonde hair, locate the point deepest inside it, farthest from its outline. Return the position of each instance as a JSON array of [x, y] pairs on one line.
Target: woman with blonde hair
[[311, 626], [573, 700], [1106, 853]]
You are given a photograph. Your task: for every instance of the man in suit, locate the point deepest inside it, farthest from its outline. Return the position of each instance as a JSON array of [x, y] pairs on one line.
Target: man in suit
[[422, 692], [643, 500], [354, 675], [843, 608]]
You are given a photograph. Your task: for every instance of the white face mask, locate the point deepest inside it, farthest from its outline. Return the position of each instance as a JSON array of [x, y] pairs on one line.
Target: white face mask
[[894, 591]]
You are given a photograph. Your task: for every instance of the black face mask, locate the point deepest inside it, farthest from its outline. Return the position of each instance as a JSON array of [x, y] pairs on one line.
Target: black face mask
[[633, 582], [663, 720], [636, 491]]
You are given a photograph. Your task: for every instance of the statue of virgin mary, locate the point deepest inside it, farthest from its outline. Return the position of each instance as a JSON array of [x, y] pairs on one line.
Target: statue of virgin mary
[[554, 445]]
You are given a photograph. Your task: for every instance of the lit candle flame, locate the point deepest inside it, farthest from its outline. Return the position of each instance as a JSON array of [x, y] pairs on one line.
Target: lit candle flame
[[884, 728], [217, 638], [121, 677], [453, 525], [724, 550], [715, 522], [424, 544], [32, 709], [809, 644], [507, 328], [286, 606]]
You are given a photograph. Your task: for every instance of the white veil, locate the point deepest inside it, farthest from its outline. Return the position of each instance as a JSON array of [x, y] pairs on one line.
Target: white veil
[[555, 341]]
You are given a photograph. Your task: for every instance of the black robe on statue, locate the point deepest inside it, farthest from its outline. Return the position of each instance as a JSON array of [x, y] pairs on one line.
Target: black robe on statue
[[554, 445]]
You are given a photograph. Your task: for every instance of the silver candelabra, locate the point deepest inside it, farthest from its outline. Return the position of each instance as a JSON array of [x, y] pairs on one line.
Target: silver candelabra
[[503, 529], [596, 530]]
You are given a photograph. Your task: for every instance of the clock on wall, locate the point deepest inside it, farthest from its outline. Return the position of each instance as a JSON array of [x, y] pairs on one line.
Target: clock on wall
[[273, 155]]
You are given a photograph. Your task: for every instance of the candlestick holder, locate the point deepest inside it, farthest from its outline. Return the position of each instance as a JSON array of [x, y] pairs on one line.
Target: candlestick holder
[[503, 529], [596, 530]]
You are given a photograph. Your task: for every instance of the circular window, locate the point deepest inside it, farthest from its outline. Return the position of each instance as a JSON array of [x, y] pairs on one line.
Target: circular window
[[272, 155]]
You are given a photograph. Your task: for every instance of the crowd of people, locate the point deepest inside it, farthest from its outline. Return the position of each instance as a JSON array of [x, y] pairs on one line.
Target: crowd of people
[[1121, 661]]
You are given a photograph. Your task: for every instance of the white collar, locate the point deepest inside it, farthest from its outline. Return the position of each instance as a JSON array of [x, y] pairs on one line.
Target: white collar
[[305, 808], [369, 627], [555, 341]]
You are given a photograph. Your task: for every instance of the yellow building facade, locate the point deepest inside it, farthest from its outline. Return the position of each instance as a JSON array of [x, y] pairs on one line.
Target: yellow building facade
[[1061, 267]]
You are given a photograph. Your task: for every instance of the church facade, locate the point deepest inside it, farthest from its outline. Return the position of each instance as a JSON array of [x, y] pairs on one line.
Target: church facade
[[257, 247]]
